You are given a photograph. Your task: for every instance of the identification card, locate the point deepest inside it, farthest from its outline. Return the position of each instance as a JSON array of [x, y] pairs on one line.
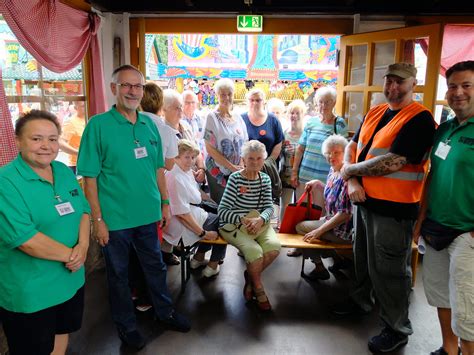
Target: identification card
[[64, 208], [443, 150], [140, 152]]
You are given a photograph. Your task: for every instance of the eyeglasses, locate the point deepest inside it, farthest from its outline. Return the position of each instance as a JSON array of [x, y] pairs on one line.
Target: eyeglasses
[[333, 153], [128, 86]]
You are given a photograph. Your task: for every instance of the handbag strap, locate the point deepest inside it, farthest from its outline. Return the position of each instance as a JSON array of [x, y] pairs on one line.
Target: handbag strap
[[260, 193], [303, 197], [309, 201], [309, 204]]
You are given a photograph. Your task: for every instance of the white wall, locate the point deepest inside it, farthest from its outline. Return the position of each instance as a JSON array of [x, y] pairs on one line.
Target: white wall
[[114, 26]]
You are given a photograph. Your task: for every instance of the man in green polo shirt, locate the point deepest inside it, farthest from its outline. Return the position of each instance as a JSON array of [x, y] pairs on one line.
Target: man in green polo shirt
[[121, 160], [446, 219]]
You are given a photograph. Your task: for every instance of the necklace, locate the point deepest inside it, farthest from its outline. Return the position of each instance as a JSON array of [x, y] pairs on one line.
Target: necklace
[[244, 189], [225, 117]]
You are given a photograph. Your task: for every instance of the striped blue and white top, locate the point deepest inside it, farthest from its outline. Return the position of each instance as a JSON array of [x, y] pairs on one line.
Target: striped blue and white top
[[241, 195], [314, 165]]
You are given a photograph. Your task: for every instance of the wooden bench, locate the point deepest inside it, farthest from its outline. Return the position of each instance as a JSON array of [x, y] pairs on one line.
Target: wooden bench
[[287, 241]]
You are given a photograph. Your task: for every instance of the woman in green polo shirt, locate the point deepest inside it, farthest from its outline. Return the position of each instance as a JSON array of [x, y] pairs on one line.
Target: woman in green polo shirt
[[44, 237]]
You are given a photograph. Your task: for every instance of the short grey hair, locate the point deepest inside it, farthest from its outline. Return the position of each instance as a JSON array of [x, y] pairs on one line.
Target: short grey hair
[[333, 141], [327, 91], [297, 104], [224, 84], [253, 146], [187, 93], [125, 67], [170, 96], [275, 103], [255, 91]]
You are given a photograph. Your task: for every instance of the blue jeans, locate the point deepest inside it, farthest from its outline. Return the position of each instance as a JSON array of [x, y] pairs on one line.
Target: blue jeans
[[144, 239]]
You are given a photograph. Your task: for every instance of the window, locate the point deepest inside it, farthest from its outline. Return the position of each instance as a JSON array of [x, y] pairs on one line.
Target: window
[[28, 85]]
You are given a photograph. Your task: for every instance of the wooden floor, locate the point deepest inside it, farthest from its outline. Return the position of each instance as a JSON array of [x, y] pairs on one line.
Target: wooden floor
[[224, 324]]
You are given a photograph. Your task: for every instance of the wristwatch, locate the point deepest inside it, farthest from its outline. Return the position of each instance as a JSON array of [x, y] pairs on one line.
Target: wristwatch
[[202, 234], [98, 219]]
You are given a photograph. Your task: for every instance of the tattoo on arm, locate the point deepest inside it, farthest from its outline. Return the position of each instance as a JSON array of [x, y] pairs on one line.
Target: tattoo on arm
[[379, 166], [349, 156]]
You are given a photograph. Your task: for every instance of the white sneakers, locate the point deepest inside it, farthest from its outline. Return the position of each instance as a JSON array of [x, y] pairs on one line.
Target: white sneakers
[[209, 271], [197, 264]]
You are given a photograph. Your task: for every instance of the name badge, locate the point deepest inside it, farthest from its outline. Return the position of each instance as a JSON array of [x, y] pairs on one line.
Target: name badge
[[443, 150], [64, 208], [140, 152]]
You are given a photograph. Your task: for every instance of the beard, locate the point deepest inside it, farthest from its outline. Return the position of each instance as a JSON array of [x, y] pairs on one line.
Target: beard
[[394, 97]]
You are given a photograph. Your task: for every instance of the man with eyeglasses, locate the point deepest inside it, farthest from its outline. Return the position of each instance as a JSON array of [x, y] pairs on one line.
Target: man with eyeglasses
[[121, 160]]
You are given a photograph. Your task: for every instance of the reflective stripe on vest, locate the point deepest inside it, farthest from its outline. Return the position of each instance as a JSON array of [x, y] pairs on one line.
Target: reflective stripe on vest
[[402, 186]]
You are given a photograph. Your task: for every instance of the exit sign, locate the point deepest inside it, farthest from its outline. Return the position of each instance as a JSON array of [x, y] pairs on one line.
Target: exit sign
[[249, 23]]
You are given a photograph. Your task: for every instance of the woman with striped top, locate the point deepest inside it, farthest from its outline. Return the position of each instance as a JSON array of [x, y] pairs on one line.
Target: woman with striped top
[[244, 212]]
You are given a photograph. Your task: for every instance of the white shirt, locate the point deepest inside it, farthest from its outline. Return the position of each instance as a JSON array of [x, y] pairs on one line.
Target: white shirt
[[182, 191], [169, 141]]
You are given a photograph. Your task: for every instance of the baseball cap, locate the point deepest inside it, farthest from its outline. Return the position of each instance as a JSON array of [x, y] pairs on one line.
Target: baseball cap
[[402, 70]]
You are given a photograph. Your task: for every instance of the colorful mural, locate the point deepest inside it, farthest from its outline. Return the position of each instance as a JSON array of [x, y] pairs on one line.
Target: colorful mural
[[255, 57]]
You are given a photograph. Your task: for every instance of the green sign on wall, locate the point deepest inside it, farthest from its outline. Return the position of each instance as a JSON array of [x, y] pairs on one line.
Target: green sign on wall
[[249, 23]]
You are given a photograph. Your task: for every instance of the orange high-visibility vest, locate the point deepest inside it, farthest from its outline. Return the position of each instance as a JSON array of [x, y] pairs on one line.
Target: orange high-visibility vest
[[404, 185]]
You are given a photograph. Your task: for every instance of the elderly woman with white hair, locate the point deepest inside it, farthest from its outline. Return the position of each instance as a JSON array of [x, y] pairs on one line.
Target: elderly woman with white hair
[[224, 136], [173, 112], [189, 221], [336, 226], [310, 162], [244, 212], [277, 107]]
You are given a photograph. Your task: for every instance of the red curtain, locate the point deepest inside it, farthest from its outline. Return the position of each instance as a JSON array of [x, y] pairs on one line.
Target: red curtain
[[58, 36], [8, 149], [458, 45]]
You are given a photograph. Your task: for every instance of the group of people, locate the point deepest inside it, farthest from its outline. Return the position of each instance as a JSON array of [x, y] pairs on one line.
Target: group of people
[[145, 172]]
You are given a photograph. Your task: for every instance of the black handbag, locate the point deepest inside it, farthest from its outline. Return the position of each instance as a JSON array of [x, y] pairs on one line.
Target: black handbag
[[437, 235], [207, 205]]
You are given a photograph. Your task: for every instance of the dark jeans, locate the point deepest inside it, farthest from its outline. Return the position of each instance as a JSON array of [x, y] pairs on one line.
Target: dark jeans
[[218, 251], [144, 240], [382, 258]]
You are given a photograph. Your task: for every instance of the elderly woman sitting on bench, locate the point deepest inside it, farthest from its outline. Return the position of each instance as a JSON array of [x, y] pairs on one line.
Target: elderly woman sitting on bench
[[336, 225], [189, 221], [244, 212]]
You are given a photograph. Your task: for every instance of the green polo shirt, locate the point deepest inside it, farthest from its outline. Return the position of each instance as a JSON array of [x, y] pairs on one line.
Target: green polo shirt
[[127, 186], [451, 192], [27, 206]]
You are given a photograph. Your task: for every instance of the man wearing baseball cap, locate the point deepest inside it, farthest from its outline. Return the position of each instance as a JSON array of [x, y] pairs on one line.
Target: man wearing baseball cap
[[385, 165]]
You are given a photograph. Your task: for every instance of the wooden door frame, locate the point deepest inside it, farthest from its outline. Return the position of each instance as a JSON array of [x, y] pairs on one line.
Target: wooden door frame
[[399, 35]]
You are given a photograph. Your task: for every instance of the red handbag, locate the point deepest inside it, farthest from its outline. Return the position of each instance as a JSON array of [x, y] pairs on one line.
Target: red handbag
[[298, 212]]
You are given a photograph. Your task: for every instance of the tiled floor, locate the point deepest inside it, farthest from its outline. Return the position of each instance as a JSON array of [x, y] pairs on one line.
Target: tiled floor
[[224, 324]]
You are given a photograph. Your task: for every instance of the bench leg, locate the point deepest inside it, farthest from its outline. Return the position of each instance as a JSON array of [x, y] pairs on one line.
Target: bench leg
[[183, 270], [186, 264], [302, 274], [414, 265]]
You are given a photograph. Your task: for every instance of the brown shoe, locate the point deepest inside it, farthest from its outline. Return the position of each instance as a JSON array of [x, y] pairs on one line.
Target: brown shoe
[[170, 258], [262, 300]]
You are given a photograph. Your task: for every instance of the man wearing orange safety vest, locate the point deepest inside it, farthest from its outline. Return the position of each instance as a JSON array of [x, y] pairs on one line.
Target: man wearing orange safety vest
[[385, 165]]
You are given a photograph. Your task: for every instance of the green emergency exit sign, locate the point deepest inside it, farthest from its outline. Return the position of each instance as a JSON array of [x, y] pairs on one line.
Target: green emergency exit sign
[[249, 23]]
